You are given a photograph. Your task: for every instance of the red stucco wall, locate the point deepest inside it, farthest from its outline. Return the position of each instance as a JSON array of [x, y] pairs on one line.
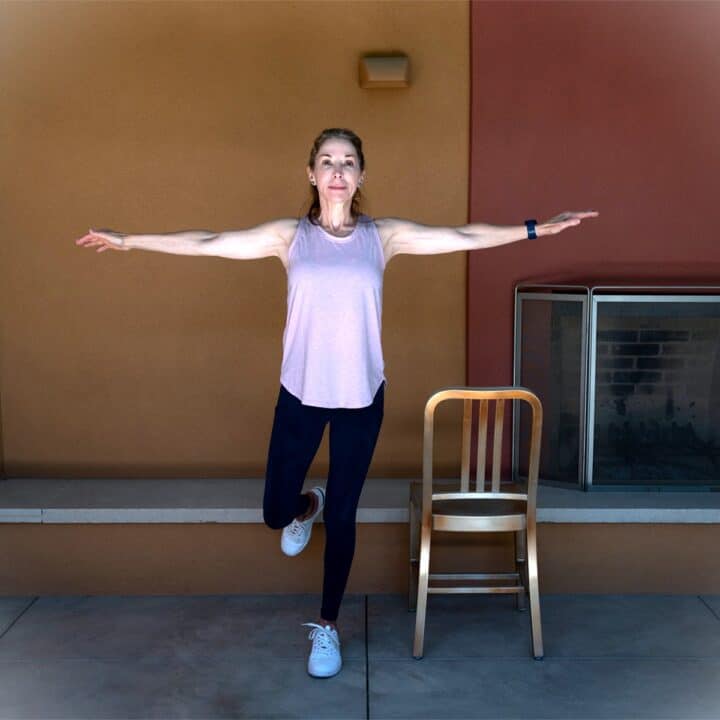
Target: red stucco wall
[[590, 105]]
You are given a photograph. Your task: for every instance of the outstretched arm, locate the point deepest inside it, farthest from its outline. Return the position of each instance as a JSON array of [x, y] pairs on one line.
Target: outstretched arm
[[271, 238], [405, 236]]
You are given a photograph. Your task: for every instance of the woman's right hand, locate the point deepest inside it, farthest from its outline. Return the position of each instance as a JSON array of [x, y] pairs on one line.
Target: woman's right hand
[[106, 239]]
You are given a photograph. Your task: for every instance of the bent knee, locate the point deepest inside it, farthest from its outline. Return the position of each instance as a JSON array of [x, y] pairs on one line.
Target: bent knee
[[275, 520]]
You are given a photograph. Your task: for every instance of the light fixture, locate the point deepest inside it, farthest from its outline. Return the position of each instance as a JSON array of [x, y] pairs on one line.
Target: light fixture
[[384, 70]]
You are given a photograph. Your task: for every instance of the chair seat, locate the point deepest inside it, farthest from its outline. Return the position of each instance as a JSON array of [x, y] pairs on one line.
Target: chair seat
[[478, 514]]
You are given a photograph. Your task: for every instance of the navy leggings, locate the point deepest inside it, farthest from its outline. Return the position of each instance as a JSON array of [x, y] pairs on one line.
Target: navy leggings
[[296, 435]]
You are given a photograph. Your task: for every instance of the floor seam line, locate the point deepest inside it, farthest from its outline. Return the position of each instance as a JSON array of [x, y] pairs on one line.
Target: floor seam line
[[367, 664], [709, 607], [13, 623]]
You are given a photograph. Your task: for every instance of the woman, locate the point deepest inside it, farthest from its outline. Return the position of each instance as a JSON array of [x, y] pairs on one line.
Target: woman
[[332, 367]]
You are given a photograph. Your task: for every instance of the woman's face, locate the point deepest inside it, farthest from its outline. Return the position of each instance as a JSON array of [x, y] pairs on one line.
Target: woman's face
[[337, 171]]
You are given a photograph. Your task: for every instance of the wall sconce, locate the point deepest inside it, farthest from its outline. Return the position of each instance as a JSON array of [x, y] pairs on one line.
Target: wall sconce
[[390, 70]]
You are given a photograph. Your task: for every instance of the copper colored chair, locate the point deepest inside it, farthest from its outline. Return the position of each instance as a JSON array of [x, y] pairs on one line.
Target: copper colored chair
[[501, 507]]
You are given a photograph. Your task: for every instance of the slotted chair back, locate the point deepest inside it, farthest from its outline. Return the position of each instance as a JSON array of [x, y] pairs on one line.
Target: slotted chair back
[[485, 397]]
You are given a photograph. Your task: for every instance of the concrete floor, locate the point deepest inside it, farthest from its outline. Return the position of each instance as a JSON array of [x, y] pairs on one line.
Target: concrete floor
[[640, 656]]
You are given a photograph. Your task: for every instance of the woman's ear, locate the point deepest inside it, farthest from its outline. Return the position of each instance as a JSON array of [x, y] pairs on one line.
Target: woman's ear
[[311, 179]]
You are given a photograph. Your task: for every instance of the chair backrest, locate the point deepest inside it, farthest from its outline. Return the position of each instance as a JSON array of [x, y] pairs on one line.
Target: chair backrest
[[486, 397]]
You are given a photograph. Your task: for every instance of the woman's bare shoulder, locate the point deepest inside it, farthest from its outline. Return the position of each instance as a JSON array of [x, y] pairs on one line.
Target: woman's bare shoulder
[[283, 227], [387, 226]]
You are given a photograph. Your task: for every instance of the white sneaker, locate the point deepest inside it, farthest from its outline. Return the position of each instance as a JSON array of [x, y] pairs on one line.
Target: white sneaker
[[296, 535], [325, 659]]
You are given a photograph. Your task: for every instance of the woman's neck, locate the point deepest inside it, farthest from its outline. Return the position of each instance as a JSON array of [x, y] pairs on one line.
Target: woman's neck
[[336, 217]]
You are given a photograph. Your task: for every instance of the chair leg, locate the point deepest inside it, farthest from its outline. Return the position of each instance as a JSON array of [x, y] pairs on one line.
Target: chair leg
[[423, 578], [534, 592], [414, 552], [521, 567]]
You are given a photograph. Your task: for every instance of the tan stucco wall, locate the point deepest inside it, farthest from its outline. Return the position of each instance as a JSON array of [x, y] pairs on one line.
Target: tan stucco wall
[[158, 117], [210, 558]]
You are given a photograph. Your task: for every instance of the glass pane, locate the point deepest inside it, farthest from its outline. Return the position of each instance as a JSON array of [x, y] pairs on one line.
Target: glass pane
[[657, 387], [550, 356]]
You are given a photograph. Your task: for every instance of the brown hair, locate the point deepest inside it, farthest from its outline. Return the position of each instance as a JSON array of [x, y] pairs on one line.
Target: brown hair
[[343, 134]]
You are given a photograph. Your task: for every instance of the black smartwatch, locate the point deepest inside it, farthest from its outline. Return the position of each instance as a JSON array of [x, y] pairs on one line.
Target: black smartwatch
[[530, 225]]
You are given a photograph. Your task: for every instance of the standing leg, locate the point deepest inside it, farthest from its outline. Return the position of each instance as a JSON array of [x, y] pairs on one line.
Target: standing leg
[[296, 435], [353, 435]]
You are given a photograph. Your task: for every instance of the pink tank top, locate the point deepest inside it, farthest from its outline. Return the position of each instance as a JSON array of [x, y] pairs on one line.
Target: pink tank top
[[332, 352]]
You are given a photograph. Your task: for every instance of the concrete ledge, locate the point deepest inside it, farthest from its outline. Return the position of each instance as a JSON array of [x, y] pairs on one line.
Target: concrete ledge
[[203, 500], [227, 500]]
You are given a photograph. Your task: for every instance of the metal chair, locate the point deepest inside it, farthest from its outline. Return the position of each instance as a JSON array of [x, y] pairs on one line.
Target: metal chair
[[501, 508]]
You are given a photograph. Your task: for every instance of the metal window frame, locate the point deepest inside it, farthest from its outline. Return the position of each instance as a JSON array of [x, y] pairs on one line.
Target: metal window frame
[[595, 300], [550, 296]]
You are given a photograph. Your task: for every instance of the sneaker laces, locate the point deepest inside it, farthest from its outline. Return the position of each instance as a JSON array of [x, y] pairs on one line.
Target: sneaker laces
[[296, 529], [325, 642]]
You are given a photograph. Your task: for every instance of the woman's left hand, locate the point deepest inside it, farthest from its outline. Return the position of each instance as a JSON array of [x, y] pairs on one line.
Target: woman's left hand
[[562, 221]]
